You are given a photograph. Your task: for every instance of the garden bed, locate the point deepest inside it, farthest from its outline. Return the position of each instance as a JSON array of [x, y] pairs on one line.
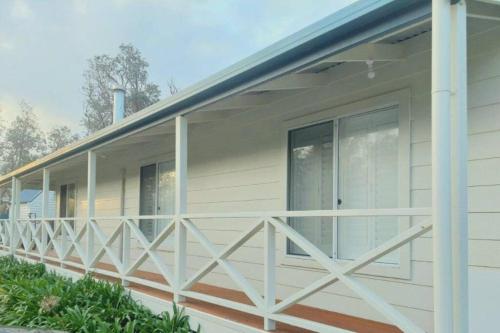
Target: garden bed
[[32, 297]]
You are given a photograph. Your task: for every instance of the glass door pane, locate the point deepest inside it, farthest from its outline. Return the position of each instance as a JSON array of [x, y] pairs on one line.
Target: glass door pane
[[311, 184], [71, 203], [166, 191], [368, 178], [147, 204], [63, 200]]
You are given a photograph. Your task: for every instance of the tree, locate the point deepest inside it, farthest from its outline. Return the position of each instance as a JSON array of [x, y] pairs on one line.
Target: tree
[[2, 129], [23, 141], [59, 137], [172, 87], [4, 202], [128, 69]]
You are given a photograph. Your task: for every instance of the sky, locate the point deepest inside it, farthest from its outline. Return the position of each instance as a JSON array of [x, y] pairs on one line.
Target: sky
[[45, 44]]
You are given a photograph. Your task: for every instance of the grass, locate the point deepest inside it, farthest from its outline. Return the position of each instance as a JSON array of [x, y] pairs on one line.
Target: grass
[[32, 297]]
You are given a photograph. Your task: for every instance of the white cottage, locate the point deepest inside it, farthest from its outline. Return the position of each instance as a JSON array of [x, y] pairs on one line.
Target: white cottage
[[31, 204], [343, 179]]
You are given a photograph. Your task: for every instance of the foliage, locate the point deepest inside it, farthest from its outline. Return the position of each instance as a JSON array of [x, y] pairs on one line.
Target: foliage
[[34, 298], [2, 128], [23, 140], [128, 69], [172, 87], [59, 137]]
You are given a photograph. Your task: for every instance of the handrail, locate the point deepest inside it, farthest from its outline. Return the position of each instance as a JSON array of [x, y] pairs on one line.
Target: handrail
[[373, 212], [317, 213], [135, 217], [40, 219], [424, 211]]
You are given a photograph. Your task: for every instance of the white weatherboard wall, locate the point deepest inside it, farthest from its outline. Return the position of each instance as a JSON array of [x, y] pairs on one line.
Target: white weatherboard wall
[[239, 163]]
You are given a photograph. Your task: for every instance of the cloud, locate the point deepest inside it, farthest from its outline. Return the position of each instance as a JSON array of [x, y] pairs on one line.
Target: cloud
[[6, 45], [8, 108], [42, 59], [81, 6], [47, 119], [21, 10]]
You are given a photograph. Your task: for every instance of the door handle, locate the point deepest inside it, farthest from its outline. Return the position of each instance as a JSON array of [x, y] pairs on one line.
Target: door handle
[[339, 201]]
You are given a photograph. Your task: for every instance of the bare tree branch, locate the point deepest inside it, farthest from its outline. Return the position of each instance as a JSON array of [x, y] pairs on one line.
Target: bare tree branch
[[127, 69]]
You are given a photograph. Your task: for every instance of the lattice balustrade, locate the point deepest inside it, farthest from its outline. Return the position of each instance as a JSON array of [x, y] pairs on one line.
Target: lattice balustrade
[[64, 241]]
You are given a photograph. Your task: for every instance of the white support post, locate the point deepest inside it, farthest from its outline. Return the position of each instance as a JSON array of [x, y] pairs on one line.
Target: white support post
[[17, 210], [17, 207], [269, 274], [125, 252], [441, 169], [64, 243], [14, 212], [45, 210], [459, 154], [91, 184], [125, 239], [181, 153]]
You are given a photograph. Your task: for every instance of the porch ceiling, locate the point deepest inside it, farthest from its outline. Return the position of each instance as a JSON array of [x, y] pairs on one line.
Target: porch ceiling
[[327, 71], [68, 168]]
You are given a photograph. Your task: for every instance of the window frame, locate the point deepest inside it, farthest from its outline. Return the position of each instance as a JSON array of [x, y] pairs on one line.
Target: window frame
[[400, 99]]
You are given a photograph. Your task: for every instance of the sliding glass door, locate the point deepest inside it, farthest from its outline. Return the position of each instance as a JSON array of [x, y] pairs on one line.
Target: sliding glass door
[[67, 200], [354, 167]]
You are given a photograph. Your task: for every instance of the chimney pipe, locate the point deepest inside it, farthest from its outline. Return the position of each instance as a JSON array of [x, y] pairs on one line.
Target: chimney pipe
[[118, 104]]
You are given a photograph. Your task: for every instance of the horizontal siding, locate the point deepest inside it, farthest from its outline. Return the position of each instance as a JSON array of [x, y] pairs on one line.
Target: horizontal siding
[[483, 253], [481, 146]]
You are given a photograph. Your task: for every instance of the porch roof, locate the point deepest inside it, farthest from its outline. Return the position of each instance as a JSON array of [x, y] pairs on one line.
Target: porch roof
[[349, 27]]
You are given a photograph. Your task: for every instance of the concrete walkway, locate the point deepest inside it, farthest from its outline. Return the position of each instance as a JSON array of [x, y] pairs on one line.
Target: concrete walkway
[[4, 329]]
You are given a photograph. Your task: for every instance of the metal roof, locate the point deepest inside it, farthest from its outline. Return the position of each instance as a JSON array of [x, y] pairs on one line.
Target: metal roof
[[348, 27]]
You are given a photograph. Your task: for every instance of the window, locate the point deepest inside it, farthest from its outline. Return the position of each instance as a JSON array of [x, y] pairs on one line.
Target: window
[[356, 167], [157, 196]]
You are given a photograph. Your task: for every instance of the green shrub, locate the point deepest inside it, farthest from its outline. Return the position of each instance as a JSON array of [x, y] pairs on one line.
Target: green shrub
[[34, 298]]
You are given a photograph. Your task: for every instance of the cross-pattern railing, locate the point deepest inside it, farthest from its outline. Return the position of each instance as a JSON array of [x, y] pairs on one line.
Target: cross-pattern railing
[[65, 241]]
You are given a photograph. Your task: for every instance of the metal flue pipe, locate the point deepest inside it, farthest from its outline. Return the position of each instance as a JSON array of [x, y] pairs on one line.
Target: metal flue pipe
[[118, 104]]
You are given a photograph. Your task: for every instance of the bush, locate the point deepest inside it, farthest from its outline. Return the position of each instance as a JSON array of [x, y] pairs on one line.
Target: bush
[[34, 298]]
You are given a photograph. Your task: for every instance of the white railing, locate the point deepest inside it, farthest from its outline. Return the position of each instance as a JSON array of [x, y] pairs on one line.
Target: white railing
[[65, 241]]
